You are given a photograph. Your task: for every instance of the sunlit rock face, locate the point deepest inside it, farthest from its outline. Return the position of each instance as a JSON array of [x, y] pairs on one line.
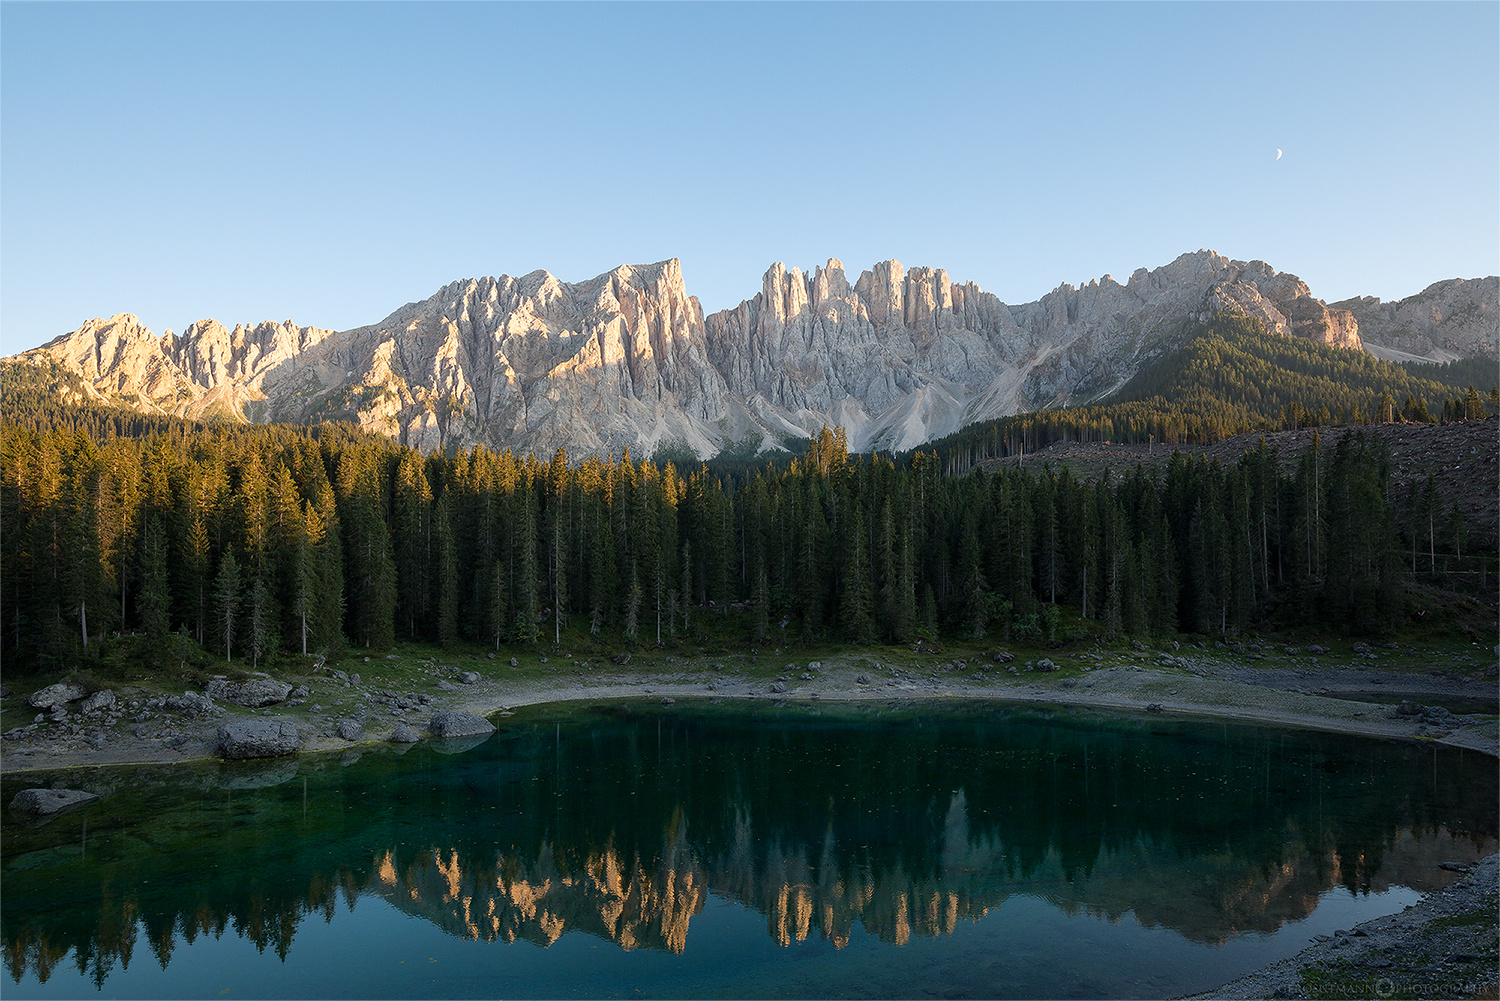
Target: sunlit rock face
[[1459, 318], [529, 363], [208, 371], [536, 364], [898, 357], [905, 356]]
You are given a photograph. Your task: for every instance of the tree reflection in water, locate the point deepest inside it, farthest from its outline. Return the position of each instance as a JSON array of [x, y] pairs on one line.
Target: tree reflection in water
[[620, 822]]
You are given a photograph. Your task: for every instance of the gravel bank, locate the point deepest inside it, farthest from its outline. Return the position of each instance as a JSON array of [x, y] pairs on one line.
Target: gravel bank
[[1445, 946], [142, 729]]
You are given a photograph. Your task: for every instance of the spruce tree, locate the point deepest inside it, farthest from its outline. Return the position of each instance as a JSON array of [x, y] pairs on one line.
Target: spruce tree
[[227, 596], [447, 573], [260, 620], [155, 598]]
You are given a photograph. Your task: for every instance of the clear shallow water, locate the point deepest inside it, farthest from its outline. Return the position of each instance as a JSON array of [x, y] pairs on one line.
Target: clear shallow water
[[699, 851]]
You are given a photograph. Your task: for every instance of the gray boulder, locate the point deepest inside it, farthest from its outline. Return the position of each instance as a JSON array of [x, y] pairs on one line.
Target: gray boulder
[[99, 700], [404, 734], [55, 695], [350, 729], [1045, 665], [49, 802], [469, 677], [191, 704], [253, 694], [259, 738], [456, 723]]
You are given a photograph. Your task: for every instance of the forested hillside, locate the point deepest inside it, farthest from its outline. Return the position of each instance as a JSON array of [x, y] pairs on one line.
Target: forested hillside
[[260, 540], [1230, 377]]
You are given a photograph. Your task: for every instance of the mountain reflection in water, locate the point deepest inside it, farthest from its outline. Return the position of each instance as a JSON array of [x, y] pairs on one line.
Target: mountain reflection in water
[[621, 824]]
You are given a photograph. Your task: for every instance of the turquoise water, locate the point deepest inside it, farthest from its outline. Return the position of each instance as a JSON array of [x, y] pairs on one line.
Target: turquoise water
[[632, 850]]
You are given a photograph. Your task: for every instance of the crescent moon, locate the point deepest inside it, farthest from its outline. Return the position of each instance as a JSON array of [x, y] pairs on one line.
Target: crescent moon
[[1278, 152]]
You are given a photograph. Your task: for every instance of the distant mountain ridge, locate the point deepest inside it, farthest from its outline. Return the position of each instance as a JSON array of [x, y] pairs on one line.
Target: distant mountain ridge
[[628, 360], [1445, 321]]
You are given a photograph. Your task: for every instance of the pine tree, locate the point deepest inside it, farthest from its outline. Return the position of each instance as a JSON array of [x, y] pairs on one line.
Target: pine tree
[[155, 597], [687, 586], [633, 609], [855, 601], [447, 573], [227, 593], [413, 541], [260, 621]]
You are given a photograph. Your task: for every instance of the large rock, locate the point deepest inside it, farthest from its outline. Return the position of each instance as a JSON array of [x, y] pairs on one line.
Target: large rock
[[271, 737], [56, 695], [456, 723], [49, 802], [192, 704], [256, 693], [102, 699], [350, 729]]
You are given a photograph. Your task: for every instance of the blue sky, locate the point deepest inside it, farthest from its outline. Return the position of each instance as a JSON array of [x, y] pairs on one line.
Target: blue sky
[[328, 163]]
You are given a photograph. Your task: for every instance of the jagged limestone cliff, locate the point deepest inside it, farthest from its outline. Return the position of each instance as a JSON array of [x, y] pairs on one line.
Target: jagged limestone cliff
[[1459, 318], [628, 360], [902, 357]]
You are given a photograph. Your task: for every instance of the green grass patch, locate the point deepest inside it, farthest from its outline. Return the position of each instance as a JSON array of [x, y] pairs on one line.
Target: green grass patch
[[1340, 980], [1486, 915]]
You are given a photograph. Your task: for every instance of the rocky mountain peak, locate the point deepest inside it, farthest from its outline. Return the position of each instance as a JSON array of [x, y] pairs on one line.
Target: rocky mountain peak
[[1451, 319], [628, 358]]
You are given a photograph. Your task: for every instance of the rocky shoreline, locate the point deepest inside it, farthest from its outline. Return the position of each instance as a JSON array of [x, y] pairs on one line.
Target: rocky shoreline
[[329, 710], [1443, 946], [333, 710]]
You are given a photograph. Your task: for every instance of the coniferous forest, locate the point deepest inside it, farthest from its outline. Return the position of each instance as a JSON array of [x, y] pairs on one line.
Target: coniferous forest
[[258, 540]]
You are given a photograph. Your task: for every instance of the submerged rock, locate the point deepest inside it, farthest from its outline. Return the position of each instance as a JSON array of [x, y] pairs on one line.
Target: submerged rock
[[49, 802], [259, 738], [456, 723], [260, 775]]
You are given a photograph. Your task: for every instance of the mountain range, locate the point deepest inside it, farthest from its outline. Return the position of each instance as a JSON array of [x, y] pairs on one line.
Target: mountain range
[[628, 359]]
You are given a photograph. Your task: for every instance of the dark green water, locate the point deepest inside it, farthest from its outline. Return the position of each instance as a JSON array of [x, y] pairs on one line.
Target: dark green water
[[699, 851]]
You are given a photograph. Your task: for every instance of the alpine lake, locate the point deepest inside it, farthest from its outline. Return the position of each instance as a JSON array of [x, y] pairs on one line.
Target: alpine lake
[[630, 849]]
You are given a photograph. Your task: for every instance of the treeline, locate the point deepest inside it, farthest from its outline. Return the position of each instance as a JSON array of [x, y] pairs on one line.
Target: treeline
[[1229, 377], [272, 539]]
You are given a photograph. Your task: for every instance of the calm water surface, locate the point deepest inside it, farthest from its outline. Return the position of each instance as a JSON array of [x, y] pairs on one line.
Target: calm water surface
[[717, 851]]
